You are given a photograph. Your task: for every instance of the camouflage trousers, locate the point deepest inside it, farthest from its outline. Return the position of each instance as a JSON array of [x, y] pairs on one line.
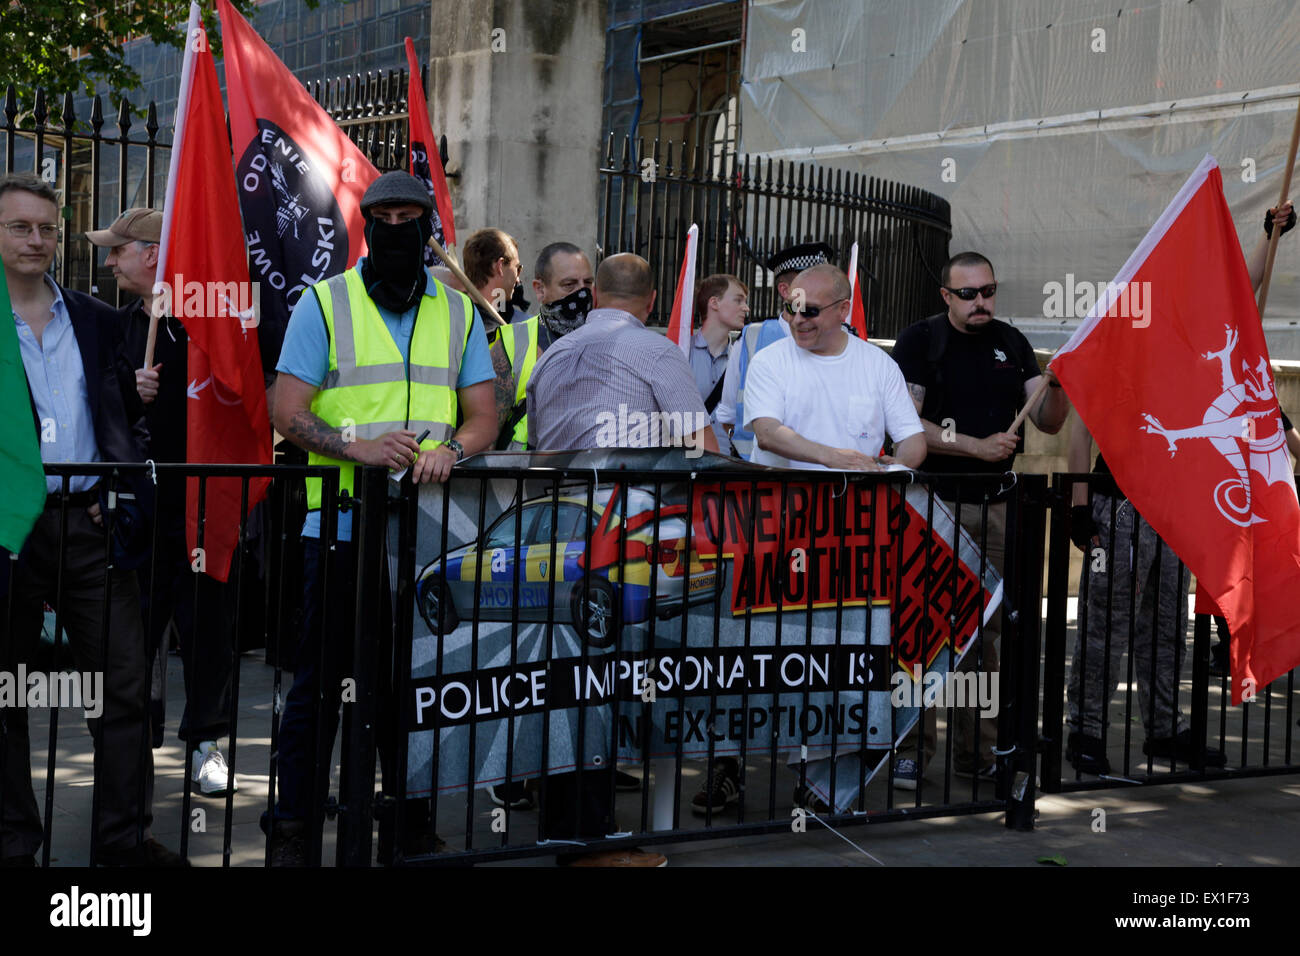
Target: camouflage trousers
[[1157, 604]]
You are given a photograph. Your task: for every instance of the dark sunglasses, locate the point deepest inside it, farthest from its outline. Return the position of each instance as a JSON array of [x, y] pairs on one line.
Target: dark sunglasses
[[967, 294], [811, 311]]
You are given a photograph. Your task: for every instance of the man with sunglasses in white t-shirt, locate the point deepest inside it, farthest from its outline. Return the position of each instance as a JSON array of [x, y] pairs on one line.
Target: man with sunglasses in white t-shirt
[[969, 375]]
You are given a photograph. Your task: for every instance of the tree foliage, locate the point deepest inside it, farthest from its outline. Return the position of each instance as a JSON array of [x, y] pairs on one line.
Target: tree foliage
[[70, 46]]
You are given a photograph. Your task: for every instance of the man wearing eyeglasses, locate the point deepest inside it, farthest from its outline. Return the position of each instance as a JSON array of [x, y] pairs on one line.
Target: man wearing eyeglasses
[[969, 374], [84, 401]]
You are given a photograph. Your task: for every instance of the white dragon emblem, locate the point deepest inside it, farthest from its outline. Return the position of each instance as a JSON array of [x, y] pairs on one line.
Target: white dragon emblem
[[1228, 424]]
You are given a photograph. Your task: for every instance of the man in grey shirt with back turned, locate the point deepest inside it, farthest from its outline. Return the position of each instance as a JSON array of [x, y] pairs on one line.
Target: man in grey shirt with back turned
[[614, 383], [612, 368]]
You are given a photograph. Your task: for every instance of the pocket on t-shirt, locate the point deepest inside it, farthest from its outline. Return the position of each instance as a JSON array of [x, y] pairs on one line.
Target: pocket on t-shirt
[[860, 418]]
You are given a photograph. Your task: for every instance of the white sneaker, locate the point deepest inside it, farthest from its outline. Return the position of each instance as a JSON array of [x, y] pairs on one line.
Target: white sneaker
[[209, 771]]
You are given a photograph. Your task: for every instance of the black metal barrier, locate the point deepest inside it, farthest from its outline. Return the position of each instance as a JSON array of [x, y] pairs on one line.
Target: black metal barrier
[[108, 578], [561, 655], [1132, 601], [593, 583]]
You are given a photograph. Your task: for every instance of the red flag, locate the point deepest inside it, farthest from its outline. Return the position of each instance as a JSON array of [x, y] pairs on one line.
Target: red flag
[[300, 179], [426, 161], [679, 322], [204, 271], [859, 315], [1170, 373]]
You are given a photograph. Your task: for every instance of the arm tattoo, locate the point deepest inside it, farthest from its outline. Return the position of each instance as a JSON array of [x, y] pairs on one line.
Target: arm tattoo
[[504, 386], [917, 392], [307, 430]]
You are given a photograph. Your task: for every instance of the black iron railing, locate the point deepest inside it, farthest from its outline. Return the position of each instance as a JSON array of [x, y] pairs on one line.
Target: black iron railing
[[748, 207], [101, 164]]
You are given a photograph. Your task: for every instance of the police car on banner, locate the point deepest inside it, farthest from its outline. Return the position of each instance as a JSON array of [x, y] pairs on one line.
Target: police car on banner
[[541, 548]]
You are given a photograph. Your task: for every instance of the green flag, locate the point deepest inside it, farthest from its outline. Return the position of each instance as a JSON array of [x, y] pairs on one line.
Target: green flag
[[21, 474]]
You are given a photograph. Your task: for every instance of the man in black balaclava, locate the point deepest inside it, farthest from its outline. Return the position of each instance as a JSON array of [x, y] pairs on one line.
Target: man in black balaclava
[[350, 405]]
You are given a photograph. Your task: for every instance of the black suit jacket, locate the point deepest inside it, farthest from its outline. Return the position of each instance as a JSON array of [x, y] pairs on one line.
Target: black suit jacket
[[115, 406], [116, 410]]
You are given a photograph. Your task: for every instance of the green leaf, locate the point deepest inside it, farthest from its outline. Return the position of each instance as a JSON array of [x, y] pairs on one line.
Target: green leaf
[[1058, 859]]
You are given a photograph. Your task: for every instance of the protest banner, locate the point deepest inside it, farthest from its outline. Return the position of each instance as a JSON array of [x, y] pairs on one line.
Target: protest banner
[[620, 620]]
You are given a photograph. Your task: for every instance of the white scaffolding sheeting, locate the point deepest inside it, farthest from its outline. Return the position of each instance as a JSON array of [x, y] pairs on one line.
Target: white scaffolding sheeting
[[1058, 129]]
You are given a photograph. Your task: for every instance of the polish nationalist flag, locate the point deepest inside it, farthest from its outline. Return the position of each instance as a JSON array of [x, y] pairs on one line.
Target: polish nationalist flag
[[1179, 396], [859, 314], [300, 179], [202, 267], [679, 322], [426, 162]]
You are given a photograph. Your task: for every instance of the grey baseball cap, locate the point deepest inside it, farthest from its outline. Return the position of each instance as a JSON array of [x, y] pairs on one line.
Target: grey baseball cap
[[396, 187]]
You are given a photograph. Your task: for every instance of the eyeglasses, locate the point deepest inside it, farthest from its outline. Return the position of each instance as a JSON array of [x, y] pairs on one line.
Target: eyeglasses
[[811, 311], [21, 230], [966, 294]]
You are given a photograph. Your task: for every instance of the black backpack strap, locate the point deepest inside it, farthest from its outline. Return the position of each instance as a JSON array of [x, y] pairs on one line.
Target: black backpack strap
[[939, 330], [507, 433], [715, 396]]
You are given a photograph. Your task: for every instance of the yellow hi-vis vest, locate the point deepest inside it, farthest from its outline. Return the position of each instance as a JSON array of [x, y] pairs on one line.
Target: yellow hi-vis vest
[[523, 358], [367, 390]]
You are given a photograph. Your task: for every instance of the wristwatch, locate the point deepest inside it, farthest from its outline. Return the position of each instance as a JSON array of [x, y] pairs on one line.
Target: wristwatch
[[455, 446]]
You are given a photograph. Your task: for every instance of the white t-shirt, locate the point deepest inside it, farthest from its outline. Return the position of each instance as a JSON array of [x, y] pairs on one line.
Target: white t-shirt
[[850, 400]]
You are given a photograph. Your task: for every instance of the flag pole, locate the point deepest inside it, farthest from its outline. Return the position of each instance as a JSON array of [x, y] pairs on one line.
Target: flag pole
[[1030, 405], [1276, 232], [450, 262], [192, 27]]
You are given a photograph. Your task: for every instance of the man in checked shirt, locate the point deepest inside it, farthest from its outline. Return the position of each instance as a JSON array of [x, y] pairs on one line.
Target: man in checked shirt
[[611, 367]]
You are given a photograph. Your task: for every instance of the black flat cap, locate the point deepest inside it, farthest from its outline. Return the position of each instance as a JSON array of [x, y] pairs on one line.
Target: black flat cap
[[396, 187], [800, 257]]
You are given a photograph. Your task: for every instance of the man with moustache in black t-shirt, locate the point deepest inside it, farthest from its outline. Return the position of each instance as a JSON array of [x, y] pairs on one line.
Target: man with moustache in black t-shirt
[[969, 375]]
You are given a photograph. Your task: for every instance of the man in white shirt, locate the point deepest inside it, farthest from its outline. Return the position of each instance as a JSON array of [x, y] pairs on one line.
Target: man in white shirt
[[785, 266], [824, 399]]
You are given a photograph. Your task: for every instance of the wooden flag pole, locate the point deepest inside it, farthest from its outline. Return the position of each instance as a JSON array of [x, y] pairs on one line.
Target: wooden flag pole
[[1030, 405], [1286, 189], [153, 337], [450, 262]]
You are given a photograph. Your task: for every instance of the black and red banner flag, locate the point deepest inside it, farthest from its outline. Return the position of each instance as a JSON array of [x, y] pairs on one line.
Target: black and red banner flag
[[300, 179]]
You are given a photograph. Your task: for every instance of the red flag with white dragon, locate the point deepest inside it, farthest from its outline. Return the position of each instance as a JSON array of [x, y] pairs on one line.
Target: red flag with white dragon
[[1181, 402]]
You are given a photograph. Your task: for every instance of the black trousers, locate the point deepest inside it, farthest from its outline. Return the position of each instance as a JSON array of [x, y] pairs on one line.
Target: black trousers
[[204, 610], [311, 711], [113, 647], [577, 812]]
